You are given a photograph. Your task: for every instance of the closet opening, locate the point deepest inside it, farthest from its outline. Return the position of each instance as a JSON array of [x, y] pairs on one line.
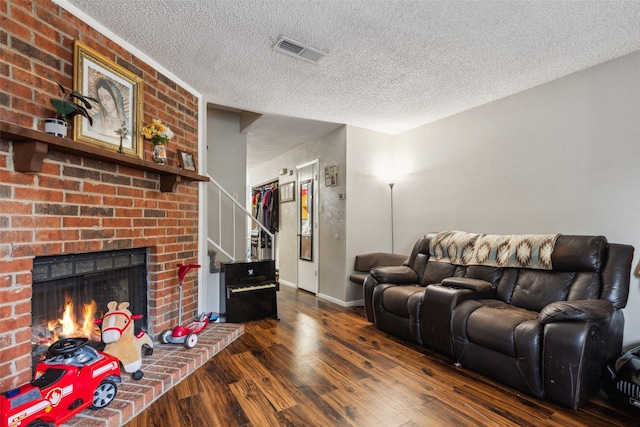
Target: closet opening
[[265, 204]]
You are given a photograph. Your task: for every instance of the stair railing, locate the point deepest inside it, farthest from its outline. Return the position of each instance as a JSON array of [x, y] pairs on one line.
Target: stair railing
[[227, 223]]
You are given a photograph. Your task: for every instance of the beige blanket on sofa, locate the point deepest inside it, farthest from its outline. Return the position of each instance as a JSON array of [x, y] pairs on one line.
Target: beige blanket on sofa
[[517, 250]]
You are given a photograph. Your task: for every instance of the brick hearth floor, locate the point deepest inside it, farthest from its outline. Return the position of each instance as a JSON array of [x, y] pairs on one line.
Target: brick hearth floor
[[168, 365]]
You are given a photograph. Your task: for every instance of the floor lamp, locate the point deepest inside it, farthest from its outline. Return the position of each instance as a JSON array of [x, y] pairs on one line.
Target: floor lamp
[[391, 187]]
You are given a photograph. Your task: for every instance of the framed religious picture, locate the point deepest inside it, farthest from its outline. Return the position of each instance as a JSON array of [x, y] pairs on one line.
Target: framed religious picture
[[117, 117], [186, 161]]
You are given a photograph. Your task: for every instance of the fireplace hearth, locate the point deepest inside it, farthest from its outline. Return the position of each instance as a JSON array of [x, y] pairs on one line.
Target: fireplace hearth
[[71, 291]]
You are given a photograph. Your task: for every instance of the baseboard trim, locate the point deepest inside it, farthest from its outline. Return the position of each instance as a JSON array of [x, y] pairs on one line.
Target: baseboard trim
[[291, 285], [340, 302], [355, 303]]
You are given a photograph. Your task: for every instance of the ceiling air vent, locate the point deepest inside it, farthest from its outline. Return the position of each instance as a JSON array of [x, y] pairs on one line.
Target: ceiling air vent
[[299, 50]]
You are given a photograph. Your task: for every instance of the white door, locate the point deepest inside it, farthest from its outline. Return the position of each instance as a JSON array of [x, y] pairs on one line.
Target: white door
[[307, 204]]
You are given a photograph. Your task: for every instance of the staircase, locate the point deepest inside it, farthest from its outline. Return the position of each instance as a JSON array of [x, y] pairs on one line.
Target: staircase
[[231, 229]]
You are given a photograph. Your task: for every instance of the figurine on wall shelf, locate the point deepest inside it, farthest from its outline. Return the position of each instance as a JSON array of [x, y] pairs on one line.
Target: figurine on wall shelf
[[123, 132]]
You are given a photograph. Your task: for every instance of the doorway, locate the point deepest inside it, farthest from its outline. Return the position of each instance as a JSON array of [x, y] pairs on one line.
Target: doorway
[[307, 206]]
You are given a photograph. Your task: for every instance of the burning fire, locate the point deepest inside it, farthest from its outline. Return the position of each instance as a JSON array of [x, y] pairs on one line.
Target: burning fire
[[70, 325]]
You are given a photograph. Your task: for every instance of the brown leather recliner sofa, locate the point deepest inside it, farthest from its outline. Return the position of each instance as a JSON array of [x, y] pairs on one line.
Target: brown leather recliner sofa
[[541, 313]]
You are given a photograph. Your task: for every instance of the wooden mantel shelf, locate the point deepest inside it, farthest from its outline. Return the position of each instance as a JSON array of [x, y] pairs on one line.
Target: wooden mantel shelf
[[30, 147]]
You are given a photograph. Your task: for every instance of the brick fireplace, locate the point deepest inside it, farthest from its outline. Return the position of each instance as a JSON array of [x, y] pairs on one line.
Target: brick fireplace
[[79, 204], [69, 292]]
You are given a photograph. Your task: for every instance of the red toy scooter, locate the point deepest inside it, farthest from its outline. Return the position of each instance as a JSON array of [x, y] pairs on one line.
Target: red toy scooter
[[185, 335]]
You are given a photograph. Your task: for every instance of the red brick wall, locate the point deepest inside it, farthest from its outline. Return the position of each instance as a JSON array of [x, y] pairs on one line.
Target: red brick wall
[[77, 204]]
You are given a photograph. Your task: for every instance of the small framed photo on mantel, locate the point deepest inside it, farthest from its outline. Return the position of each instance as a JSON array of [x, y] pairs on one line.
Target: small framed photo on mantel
[[187, 161]]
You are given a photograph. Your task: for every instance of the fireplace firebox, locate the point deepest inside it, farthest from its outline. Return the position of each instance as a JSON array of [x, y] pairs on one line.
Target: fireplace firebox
[[71, 288]]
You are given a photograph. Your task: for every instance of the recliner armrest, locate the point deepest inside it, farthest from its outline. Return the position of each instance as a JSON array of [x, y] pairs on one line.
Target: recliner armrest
[[582, 310], [365, 262], [358, 277], [399, 274], [467, 283]]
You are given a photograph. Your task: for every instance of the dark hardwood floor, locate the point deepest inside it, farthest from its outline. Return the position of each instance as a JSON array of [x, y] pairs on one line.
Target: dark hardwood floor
[[325, 365]]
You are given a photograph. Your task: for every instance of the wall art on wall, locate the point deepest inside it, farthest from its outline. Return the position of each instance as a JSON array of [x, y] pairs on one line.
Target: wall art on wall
[[287, 192], [186, 161], [117, 117], [331, 176]]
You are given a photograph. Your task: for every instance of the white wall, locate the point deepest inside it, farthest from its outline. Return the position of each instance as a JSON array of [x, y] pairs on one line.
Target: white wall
[[329, 150], [368, 215], [286, 249], [226, 160], [563, 157]]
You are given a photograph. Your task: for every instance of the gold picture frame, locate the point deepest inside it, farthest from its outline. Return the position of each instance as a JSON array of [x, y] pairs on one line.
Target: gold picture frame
[[117, 117]]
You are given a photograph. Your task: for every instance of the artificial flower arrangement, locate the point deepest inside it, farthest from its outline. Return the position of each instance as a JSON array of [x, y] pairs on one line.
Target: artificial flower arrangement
[[157, 132]]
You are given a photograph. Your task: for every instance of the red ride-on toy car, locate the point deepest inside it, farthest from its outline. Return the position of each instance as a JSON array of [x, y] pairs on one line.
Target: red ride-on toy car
[[74, 377], [186, 335]]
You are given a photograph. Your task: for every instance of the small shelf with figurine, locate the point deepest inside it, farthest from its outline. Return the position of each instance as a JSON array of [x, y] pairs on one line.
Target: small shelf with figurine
[[31, 146]]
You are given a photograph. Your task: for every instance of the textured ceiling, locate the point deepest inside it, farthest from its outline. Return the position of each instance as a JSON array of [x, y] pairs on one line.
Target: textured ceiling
[[392, 65]]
